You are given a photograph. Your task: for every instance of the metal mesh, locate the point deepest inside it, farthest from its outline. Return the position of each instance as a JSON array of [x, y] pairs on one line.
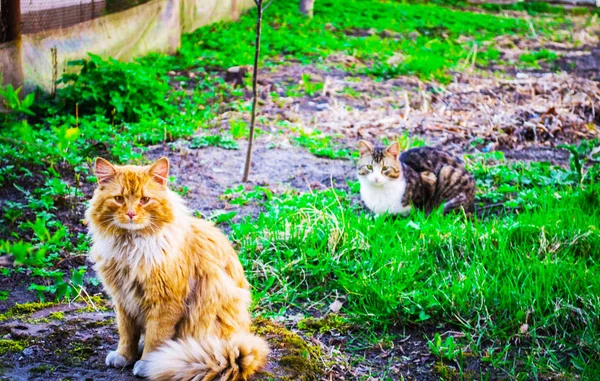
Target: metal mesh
[[40, 15]]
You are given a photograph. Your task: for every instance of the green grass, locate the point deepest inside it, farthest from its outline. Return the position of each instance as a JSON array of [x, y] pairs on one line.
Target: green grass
[[430, 38], [487, 276], [534, 58], [319, 144], [539, 7]]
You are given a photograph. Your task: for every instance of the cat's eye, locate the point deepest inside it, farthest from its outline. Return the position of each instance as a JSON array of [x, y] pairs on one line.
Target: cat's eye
[[144, 200], [370, 167], [385, 168], [120, 199]]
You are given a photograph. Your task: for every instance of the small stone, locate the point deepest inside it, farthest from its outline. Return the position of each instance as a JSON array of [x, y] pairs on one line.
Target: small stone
[[28, 352], [322, 106]]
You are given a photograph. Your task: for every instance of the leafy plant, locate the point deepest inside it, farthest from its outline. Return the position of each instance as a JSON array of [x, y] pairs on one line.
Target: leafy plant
[[12, 211], [447, 350], [12, 101], [126, 92], [238, 128], [311, 88]]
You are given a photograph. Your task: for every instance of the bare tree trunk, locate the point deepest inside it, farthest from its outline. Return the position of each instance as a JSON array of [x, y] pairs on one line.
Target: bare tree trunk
[[259, 9], [306, 7]]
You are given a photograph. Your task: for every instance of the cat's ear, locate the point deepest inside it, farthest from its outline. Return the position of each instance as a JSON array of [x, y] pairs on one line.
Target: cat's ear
[[160, 171], [104, 170], [364, 147], [393, 149]]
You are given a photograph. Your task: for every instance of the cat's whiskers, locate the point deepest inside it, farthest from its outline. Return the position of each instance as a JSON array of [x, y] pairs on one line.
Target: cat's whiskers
[[153, 226]]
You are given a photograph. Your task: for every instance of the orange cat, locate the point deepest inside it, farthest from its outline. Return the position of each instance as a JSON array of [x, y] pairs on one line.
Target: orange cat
[[171, 276]]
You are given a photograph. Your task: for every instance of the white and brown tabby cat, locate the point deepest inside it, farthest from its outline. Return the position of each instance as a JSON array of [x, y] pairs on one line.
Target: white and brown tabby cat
[[172, 277], [421, 177]]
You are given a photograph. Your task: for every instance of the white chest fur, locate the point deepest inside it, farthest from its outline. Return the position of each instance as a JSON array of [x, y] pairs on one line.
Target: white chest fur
[[138, 250], [134, 257], [384, 198]]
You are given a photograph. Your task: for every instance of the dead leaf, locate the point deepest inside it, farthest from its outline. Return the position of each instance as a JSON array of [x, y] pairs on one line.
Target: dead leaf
[[524, 328], [336, 306]]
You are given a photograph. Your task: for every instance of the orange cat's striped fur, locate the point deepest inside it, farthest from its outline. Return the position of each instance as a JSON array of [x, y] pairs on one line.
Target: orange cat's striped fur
[[172, 277]]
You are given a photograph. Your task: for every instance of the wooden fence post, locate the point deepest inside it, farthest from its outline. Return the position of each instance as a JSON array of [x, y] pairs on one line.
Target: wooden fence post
[[11, 64], [235, 12]]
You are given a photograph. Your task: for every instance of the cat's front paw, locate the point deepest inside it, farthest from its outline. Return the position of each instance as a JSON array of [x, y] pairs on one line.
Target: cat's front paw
[[140, 369], [116, 360]]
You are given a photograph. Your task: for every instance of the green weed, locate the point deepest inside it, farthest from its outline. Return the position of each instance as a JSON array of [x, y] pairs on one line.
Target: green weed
[[119, 90], [534, 58], [447, 350], [214, 140], [239, 195], [238, 128], [311, 88], [12, 101], [320, 144]]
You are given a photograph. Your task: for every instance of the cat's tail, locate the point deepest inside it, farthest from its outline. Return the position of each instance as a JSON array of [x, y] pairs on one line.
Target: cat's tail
[[209, 358]]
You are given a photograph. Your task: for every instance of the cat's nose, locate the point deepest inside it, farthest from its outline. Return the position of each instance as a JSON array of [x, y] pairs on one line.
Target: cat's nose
[[131, 214]]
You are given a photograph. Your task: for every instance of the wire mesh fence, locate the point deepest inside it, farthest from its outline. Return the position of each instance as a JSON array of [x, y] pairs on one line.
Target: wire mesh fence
[[41, 15]]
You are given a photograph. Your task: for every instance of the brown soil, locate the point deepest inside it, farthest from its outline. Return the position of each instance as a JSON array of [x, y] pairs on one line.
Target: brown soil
[[209, 171]]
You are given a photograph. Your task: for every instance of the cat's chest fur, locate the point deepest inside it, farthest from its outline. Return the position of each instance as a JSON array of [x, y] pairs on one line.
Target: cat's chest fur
[[127, 265], [387, 198]]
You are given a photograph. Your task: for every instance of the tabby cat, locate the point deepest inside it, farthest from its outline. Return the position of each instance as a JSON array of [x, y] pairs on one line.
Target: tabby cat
[[172, 277], [424, 178]]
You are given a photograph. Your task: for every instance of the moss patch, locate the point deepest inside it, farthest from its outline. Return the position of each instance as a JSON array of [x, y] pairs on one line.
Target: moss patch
[[11, 346], [99, 323], [329, 323], [298, 359], [59, 315], [21, 310], [79, 352], [444, 371]]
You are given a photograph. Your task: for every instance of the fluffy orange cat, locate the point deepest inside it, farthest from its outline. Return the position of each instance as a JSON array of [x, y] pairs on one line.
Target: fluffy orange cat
[[172, 277]]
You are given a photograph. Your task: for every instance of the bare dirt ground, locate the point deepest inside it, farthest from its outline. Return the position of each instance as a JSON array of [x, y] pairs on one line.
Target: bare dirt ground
[[209, 171], [525, 113]]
